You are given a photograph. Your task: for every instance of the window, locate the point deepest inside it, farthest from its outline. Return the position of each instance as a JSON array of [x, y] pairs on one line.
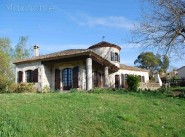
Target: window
[[115, 56], [32, 76], [29, 76], [67, 78]]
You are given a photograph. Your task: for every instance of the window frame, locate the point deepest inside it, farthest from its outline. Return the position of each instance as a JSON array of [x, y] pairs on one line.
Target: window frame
[[29, 76]]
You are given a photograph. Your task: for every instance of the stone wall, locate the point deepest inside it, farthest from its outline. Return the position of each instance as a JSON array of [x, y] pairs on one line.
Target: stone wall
[[151, 86]]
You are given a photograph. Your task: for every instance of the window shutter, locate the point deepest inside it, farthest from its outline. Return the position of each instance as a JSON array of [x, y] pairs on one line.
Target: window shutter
[[20, 77], [143, 78], [112, 56], [35, 75], [75, 77], [123, 80]]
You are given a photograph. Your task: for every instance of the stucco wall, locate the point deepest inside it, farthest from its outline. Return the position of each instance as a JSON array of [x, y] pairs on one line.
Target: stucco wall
[[181, 72], [129, 72], [105, 52]]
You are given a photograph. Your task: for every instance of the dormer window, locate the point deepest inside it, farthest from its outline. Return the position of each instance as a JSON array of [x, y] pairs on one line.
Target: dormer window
[[115, 56]]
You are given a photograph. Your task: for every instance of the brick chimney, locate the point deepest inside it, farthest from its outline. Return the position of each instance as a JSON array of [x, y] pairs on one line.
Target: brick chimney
[[36, 51]]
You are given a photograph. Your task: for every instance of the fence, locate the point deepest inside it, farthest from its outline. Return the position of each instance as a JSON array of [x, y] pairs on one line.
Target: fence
[[174, 82]]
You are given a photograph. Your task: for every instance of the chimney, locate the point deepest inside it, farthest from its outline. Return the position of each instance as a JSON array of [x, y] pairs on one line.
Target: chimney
[[36, 51]]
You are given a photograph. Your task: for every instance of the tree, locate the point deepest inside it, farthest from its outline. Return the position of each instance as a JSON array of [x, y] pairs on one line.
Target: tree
[[151, 62], [7, 56], [164, 63], [6, 73], [162, 26], [147, 60], [21, 50]]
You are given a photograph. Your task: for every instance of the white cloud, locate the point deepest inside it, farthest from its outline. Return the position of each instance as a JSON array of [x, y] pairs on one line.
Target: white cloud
[[108, 21]]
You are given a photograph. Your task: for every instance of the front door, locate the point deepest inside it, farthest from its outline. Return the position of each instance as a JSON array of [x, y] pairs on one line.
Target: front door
[[57, 79], [67, 78]]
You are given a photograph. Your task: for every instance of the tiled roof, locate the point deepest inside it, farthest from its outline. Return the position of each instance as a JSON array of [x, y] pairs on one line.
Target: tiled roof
[[104, 44], [180, 68], [55, 55], [70, 53], [125, 67]]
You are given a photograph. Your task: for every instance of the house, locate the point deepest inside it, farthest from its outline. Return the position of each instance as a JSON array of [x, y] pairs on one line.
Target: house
[[181, 72], [97, 66]]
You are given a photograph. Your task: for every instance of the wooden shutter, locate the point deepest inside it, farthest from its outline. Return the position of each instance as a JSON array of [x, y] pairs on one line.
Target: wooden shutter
[[57, 79], [20, 77], [123, 80], [35, 75], [112, 56], [117, 81], [143, 78], [75, 77], [99, 79]]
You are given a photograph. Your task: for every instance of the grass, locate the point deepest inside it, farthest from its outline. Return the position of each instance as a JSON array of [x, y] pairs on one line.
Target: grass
[[83, 114]]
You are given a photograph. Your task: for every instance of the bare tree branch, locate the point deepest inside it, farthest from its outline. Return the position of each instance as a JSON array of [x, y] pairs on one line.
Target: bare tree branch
[[162, 26]]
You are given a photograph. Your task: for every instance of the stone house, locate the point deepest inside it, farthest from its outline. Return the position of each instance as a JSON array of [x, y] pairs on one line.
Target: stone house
[[97, 66]]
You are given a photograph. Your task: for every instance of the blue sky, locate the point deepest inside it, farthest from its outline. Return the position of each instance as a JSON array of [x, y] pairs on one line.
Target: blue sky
[[67, 24]]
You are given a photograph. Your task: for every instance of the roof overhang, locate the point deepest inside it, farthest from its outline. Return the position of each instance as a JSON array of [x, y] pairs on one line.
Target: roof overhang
[[84, 54]]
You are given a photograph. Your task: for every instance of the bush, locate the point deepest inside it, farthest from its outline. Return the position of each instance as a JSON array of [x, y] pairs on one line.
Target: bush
[[133, 82], [46, 89], [100, 90], [24, 88], [74, 90]]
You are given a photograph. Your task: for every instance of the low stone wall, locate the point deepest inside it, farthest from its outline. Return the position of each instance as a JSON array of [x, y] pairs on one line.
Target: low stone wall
[[151, 86]]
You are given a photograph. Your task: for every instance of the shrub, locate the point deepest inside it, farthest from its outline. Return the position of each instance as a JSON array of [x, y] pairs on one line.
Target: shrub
[[46, 89], [133, 82], [74, 90], [24, 88], [100, 90]]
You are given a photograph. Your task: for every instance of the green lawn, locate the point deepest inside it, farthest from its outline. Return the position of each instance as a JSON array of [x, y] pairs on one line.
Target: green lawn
[[83, 114]]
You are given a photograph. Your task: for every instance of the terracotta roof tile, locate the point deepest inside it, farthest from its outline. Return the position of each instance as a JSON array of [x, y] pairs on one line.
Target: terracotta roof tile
[[55, 55], [125, 67], [104, 44]]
